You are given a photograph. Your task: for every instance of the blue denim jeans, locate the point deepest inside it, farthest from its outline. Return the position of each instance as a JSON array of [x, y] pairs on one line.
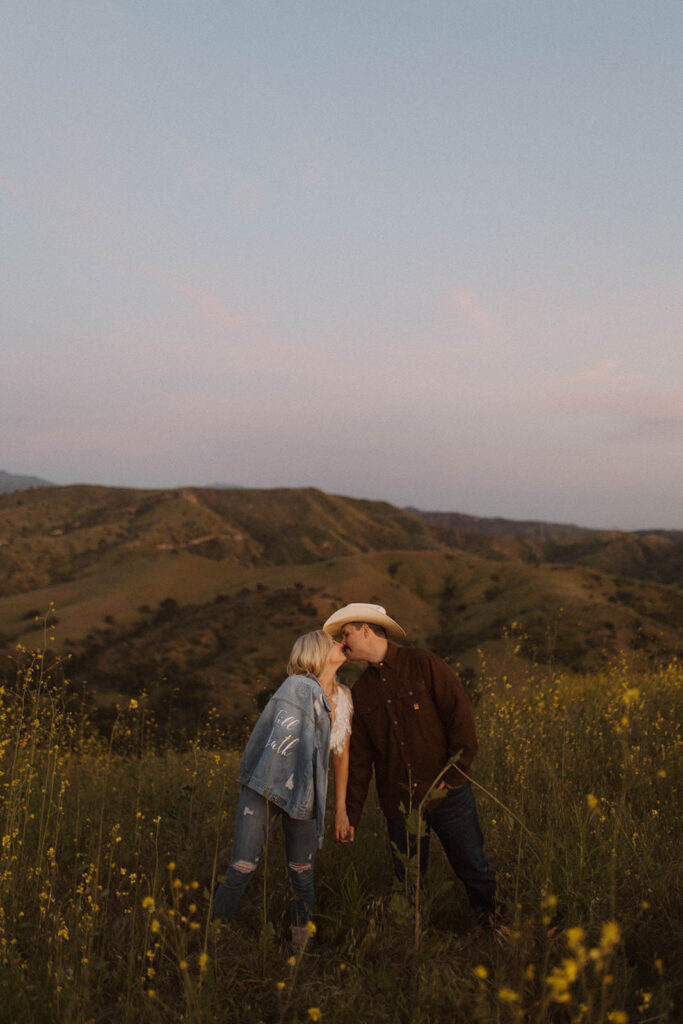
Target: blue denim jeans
[[254, 823], [455, 821]]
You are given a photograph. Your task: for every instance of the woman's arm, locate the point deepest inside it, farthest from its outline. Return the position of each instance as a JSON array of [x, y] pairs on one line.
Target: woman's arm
[[342, 830]]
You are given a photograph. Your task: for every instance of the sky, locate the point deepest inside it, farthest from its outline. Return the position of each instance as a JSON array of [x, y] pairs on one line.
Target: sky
[[422, 252]]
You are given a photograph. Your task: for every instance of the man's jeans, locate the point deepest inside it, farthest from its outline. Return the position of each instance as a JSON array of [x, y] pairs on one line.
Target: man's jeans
[[253, 826], [455, 821]]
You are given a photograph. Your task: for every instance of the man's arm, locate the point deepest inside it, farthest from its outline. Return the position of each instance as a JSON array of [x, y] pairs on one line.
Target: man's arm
[[361, 761], [455, 709]]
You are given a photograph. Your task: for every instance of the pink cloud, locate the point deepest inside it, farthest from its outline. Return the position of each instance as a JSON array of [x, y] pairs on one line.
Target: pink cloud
[[606, 389], [470, 305], [212, 307]]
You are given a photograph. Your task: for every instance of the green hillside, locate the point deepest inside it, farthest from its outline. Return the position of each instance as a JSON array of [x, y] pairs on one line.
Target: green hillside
[[196, 595]]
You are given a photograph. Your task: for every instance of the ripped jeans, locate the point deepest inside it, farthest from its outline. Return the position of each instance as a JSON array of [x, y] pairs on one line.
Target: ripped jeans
[[253, 825]]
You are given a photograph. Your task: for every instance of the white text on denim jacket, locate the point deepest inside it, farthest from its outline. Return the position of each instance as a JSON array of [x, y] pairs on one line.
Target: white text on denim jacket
[[286, 745]]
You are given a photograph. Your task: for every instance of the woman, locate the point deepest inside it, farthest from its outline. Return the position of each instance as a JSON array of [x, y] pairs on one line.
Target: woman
[[283, 773]]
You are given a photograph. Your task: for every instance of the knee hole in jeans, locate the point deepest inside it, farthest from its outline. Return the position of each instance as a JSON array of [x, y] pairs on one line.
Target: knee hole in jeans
[[299, 868], [245, 867]]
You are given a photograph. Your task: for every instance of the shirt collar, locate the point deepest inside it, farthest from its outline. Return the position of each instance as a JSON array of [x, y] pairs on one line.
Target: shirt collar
[[390, 656]]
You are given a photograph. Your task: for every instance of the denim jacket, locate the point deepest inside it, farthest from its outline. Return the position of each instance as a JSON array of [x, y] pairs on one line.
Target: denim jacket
[[287, 756]]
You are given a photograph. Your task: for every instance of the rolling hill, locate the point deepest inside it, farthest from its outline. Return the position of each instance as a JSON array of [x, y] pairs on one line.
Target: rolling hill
[[655, 555], [196, 594]]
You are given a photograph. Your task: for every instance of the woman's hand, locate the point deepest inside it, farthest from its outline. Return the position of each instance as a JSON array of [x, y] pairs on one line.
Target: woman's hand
[[343, 831]]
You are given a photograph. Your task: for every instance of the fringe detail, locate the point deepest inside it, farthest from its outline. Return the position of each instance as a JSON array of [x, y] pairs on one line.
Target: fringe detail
[[342, 719]]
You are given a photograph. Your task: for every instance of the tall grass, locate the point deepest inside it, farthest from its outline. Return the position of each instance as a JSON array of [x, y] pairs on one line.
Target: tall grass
[[110, 848]]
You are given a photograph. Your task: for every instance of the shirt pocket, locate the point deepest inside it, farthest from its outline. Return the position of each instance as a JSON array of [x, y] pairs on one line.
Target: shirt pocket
[[368, 706]]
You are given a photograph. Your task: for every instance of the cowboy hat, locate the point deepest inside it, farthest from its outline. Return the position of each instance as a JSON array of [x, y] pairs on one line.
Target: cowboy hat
[[373, 613]]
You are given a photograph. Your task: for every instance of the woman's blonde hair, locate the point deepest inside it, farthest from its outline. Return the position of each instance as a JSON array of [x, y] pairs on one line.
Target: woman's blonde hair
[[309, 654]]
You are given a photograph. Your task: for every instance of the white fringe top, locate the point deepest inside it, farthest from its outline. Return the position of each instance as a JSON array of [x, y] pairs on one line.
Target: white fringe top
[[342, 719]]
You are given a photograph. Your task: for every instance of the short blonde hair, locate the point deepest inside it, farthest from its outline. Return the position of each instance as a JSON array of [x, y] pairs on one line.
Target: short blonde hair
[[309, 654]]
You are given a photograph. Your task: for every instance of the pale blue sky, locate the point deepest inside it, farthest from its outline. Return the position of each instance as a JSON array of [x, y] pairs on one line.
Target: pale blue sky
[[425, 252]]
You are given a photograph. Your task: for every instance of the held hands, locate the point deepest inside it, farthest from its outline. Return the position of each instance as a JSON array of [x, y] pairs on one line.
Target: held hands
[[343, 831]]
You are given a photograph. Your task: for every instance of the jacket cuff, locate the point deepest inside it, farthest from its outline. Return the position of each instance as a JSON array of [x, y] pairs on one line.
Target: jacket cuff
[[454, 777]]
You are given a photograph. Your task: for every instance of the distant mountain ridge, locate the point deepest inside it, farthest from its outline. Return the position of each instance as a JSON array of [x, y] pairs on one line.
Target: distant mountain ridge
[[655, 555], [10, 482], [223, 487], [530, 529]]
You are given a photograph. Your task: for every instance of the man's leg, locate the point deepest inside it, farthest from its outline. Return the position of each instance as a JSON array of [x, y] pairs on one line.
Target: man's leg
[[404, 845], [301, 843], [456, 824], [253, 820]]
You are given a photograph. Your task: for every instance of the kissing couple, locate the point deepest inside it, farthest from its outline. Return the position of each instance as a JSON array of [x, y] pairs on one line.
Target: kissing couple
[[407, 718]]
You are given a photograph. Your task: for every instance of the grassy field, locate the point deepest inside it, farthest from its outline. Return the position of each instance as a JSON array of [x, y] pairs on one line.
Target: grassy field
[[111, 847]]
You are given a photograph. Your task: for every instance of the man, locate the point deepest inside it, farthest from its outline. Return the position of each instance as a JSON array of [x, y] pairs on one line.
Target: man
[[411, 717]]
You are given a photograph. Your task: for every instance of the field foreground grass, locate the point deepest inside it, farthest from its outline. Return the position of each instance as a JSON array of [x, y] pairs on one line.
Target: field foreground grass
[[111, 848]]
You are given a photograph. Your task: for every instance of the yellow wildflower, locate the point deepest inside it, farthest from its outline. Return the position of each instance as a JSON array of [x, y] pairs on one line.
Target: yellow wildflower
[[610, 936], [575, 937], [315, 1013], [481, 972]]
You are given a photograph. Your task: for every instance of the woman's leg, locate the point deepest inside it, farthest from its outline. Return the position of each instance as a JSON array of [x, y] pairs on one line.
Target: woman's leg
[[253, 821], [301, 842]]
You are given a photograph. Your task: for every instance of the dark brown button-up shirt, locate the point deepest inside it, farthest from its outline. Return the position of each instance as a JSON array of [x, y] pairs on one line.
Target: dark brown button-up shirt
[[410, 716]]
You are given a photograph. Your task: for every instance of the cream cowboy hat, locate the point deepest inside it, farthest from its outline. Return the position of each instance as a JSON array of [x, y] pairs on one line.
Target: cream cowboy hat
[[373, 613]]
